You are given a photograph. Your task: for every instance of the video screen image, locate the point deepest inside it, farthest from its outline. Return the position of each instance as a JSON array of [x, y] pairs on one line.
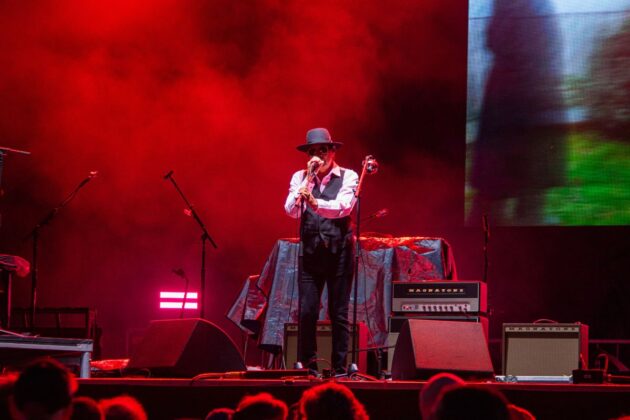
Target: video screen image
[[548, 112]]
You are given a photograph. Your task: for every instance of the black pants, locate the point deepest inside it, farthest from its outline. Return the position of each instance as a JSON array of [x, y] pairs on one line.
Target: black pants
[[334, 270]]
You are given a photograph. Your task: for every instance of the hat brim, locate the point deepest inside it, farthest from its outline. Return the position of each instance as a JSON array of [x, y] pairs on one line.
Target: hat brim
[[305, 147]]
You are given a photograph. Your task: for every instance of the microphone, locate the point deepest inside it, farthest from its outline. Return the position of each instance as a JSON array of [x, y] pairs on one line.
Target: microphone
[[381, 213], [90, 176], [179, 272], [169, 174], [371, 165], [313, 166], [377, 215]]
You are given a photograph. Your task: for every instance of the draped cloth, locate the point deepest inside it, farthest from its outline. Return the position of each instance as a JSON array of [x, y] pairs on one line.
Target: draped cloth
[[269, 300]]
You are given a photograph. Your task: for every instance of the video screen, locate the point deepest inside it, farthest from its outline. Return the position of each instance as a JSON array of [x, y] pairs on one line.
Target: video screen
[[548, 112]]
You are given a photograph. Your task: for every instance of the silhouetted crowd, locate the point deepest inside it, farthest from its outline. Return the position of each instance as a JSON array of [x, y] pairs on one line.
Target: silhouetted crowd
[[46, 390]]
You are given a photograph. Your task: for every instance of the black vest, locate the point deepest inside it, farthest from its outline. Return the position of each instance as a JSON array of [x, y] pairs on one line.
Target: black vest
[[332, 234]]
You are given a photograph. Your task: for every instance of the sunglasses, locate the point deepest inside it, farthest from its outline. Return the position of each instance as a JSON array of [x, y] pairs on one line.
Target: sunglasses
[[317, 150]]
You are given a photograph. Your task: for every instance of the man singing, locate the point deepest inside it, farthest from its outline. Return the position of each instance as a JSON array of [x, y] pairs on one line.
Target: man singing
[[323, 196]]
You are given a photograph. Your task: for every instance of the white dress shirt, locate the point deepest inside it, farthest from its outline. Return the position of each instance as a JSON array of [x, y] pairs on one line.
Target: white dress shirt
[[339, 207]]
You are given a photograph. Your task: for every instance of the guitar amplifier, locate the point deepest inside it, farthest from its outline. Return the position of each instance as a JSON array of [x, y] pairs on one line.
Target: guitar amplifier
[[323, 339], [544, 349], [438, 296]]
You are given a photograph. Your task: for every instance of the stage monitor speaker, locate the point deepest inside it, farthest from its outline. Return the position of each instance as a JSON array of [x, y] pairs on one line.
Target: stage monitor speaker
[[323, 339], [396, 323], [185, 348], [544, 349], [426, 347]]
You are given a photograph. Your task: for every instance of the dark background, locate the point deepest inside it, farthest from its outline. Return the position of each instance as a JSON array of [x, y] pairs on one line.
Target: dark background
[[222, 92]]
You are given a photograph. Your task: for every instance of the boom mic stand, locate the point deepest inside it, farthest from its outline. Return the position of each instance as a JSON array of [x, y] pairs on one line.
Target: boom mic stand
[[370, 166], [35, 235], [205, 236]]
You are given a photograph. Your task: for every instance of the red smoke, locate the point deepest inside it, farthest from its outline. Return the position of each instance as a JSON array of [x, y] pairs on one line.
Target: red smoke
[[221, 92]]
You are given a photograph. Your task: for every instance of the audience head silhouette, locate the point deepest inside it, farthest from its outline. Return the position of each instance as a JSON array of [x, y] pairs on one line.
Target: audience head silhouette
[[220, 414], [519, 413], [331, 401], [85, 408], [471, 403], [261, 407], [44, 391], [432, 390], [123, 407]]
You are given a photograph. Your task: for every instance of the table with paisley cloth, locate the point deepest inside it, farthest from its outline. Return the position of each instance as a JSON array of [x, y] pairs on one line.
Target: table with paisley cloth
[[269, 300]]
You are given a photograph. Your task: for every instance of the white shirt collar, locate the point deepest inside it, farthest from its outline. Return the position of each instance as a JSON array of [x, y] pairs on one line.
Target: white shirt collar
[[336, 170]]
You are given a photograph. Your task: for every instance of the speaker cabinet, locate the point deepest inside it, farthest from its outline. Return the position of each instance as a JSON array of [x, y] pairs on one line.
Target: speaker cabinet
[[324, 343], [426, 347], [544, 349], [185, 348]]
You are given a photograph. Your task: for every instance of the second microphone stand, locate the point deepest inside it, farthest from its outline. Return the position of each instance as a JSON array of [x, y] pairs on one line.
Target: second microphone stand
[[205, 236], [35, 235], [370, 166]]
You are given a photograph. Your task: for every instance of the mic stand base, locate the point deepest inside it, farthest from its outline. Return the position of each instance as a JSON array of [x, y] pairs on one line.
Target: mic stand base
[[353, 368], [14, 334]]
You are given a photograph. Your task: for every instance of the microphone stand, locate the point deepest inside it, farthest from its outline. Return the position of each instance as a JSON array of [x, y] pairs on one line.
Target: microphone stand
[[486, 239], [357, 193], [35, 235], [181, 273], [300, 263], [205, 236], [2, 153]]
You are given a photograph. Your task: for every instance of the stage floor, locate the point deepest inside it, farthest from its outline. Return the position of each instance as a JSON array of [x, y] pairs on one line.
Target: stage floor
[[185, 398]]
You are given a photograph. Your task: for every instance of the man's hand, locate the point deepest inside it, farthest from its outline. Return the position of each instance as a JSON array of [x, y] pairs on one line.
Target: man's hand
[[308, 198], [313, 165]]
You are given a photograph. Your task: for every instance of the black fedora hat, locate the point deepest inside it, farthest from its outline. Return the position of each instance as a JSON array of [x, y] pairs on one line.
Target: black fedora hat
[[317, 137]]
